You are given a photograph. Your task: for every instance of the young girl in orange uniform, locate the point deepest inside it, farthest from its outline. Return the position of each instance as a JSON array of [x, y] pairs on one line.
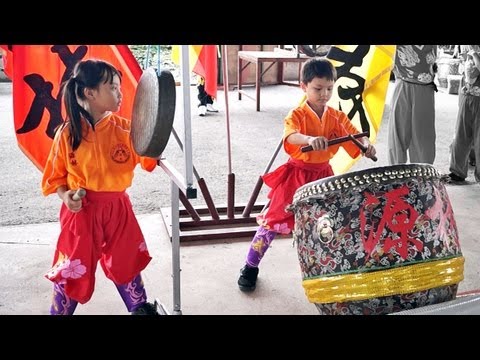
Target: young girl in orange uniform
[[92, 150]]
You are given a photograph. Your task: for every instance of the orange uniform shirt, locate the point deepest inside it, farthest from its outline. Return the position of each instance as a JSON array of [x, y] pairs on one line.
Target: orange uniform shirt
[[333, 124], [104, 161]]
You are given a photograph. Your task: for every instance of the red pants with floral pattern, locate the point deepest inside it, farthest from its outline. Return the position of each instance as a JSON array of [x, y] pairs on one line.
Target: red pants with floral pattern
[[104, 230]]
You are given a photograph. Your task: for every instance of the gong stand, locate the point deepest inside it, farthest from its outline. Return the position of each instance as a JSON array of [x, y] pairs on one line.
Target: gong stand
[[152, 123], [178, 182], [212, 222]]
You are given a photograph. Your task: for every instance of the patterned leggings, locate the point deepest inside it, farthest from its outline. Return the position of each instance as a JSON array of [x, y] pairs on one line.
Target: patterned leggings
[[260, 244], [133, 295]]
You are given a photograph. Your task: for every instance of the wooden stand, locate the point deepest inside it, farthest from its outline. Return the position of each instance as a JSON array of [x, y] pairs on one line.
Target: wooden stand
[[207, 228]]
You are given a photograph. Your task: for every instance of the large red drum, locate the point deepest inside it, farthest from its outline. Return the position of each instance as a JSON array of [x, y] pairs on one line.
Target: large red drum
[[377, 241]]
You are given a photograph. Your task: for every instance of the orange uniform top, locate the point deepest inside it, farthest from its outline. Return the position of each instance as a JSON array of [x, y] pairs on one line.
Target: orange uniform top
[[333, 124], [104, 161]]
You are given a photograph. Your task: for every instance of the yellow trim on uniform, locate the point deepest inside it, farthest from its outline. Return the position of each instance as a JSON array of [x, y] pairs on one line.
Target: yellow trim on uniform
[[401, 280]]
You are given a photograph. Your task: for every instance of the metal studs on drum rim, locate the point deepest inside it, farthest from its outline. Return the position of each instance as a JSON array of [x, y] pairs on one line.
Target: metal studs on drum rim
[[153, 112]]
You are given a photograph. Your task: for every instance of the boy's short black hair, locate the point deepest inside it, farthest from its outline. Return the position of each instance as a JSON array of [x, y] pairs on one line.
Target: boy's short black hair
[[318, 67]]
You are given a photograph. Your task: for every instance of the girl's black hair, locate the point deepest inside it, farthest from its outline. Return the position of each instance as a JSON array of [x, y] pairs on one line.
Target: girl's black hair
[[318, 67], [86, 74]]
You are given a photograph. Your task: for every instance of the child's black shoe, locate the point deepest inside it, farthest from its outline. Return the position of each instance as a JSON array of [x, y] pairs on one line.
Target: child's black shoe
[[248, 278], [146, 309]]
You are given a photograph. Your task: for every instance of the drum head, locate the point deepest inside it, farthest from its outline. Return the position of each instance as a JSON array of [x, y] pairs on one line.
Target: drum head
[[153, 112]]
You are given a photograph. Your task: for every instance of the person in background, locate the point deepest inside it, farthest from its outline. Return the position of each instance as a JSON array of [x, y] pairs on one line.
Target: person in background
[[92, 150], [412, 123], [206, 101], [311, 123], [467, 129], [461, 53]]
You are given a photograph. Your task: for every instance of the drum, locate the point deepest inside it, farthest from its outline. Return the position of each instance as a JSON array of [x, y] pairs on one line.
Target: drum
[[377, 241]]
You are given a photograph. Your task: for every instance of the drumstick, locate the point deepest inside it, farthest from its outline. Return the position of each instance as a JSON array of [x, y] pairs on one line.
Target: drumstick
[[361, 146], [338, 140], [80, 193]]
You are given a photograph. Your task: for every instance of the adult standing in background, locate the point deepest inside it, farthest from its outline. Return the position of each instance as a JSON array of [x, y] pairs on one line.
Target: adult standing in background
[[461, 52], [467, 129], [412, 123]]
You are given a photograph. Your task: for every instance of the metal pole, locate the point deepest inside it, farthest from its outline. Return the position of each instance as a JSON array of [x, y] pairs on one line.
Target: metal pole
[[147, 58], [179, 142], [231, 176], [227, 113], [185, 66], [202, 185], [176, 248]]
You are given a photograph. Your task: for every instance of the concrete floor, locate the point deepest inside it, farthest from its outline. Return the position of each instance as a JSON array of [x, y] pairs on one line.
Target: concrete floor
[[210, 268]]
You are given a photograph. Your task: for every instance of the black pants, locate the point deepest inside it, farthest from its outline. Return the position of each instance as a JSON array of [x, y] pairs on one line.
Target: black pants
[[203, 97], [471, 156]]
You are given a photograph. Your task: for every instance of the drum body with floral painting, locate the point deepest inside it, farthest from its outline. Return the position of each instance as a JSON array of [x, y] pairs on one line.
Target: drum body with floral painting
[[377, 241]]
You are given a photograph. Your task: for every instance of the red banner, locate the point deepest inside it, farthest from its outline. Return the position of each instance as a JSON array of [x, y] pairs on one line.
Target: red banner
[[37, 72], [203, 60], [206, 67]]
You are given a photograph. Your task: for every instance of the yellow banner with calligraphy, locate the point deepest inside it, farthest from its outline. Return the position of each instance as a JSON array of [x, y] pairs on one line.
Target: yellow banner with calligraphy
[[363, 76]]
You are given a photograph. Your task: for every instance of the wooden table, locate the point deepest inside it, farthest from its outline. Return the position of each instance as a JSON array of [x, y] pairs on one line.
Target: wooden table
[[259, 57]]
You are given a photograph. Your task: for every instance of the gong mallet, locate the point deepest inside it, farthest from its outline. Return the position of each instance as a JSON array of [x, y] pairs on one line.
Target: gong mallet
[[80, 193]]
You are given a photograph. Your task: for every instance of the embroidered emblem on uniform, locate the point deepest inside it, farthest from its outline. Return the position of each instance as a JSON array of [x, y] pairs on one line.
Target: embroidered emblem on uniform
[[120, 153], [71, 158]]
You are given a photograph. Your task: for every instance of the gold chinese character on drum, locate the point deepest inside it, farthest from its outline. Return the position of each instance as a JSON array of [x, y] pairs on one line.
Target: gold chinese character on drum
[[377, 241]]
